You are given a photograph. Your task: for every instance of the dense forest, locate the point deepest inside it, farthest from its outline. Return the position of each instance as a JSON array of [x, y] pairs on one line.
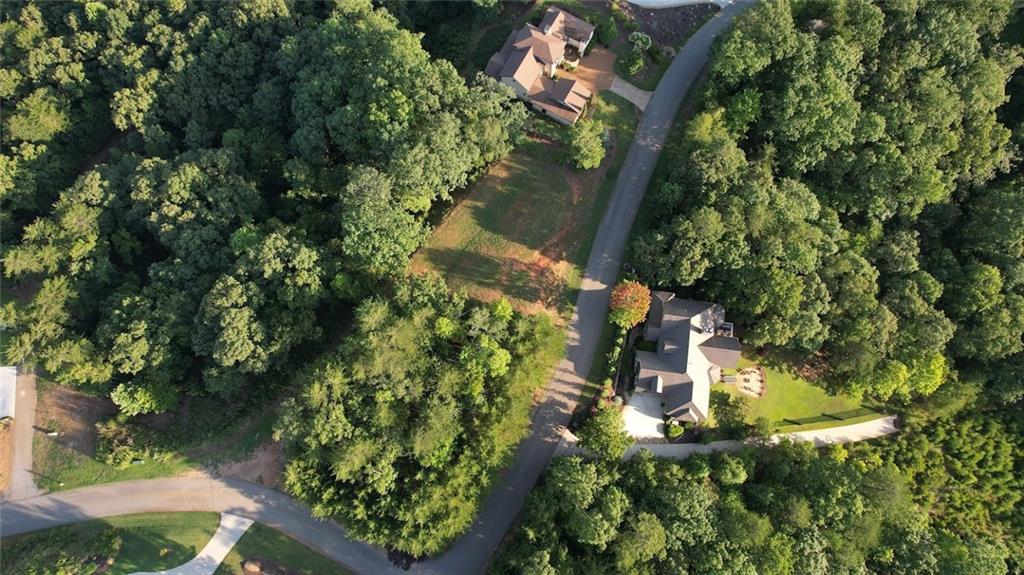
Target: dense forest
[[223, 178], [846, 191], [788, 509], [849, 188], [400, 431], [197, 195]]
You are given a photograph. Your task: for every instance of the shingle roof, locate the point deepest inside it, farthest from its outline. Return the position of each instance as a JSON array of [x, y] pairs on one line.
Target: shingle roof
[[547, 49], [562, 24], [689, 352]]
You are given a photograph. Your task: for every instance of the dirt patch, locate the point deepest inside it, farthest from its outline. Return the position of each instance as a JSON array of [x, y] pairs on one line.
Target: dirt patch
[[73, 414], [6, 438], [265, 466], [670, 26]]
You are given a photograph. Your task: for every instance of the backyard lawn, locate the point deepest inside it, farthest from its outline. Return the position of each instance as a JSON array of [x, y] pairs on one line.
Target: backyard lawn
[[265, 543], [792, 403], [525, 228]]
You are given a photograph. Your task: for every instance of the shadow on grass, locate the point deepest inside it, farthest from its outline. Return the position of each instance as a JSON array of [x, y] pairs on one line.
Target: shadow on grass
[[512, 277]]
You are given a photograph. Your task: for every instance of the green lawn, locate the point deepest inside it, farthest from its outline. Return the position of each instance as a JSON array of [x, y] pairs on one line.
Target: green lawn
[[263, 542], [525, 228], [151, 541], [58, 467], [158, 541], [598, 369], [649, 76], [792, 403]]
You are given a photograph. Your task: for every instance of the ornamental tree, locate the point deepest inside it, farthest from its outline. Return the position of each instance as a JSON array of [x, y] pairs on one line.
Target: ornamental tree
[[629, 304]]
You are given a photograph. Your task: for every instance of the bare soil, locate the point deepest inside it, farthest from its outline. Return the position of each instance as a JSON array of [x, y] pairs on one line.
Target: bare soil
[[5, 455], [73, 414], [265, 466]]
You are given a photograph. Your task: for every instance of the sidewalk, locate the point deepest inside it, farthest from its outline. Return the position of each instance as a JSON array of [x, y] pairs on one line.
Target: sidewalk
[[231, 529], [638, 97]]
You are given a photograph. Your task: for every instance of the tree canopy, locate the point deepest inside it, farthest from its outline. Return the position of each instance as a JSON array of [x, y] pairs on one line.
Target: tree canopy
[[829, 188], [399, 431], [252, 167]]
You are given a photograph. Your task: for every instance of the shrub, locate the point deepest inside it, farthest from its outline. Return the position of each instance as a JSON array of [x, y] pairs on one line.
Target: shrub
[[635, 63], [674, 430], [657, 54], [641, 42], [604, 434], [607, 30], [630, 301], [67, 549], [120, 443], [618, 13]]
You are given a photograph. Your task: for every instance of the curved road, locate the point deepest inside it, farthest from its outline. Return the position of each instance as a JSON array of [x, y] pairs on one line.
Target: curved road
[[472, 552]]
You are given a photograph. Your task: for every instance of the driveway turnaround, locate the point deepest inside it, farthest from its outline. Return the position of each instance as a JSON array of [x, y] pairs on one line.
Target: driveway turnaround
[[471, 554], [231, 529]]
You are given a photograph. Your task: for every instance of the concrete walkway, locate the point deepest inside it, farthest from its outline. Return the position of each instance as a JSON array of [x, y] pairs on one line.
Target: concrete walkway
[[636, 96], [22, 485], [820, 437], [231, 529]]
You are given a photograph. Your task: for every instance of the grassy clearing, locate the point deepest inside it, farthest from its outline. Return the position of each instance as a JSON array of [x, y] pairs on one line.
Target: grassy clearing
[[265, 543], [791, 403], [525, 228], [151, 541], [58, 467]]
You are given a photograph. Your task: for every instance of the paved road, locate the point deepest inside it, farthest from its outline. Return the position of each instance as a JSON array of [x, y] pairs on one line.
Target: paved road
[[270, 507], [862, 431], [22, 485], [471, 553]]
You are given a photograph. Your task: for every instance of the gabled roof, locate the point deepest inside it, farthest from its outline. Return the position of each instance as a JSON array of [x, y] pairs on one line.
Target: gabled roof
[[562, 24], [722, 351], [522, 67], [691, 349], [547, 49]]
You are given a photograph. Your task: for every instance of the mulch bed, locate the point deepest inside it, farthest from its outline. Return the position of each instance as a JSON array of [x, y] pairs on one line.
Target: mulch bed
[[669, 26]]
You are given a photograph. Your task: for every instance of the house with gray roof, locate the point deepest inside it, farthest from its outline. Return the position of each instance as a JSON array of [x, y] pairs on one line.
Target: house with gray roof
[[693, 344]]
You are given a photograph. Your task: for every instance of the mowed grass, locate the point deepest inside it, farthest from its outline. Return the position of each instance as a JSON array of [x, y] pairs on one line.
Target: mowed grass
[[525, 228], [262, 542], [791, 403], [151, 541]]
